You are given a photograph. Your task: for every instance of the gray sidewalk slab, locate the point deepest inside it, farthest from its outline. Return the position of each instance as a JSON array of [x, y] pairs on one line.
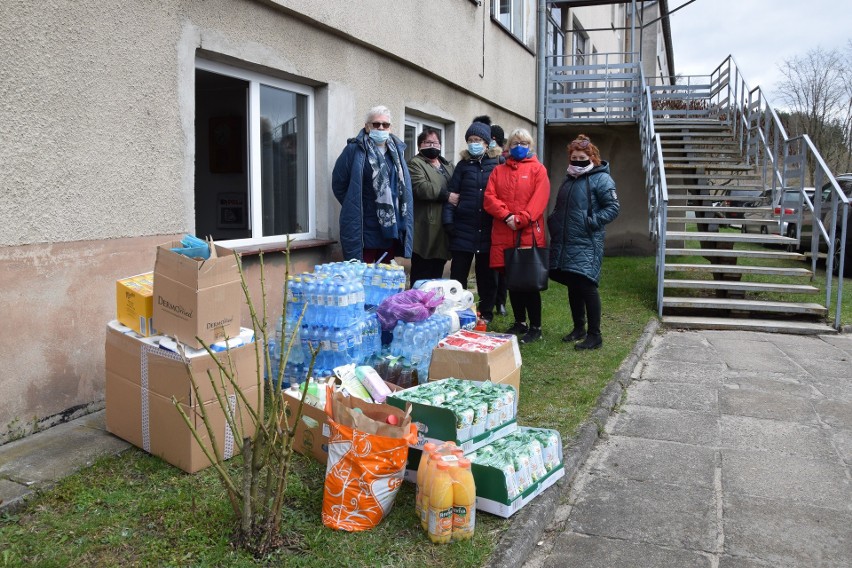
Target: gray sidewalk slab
[[730, 450], [39, 461]]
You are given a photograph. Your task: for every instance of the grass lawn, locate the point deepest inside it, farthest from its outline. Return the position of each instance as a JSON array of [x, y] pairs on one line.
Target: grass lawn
[[135, 510]]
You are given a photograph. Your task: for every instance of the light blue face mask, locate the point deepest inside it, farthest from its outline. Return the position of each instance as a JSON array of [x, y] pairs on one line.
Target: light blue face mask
[[492, 144], [379, 136], [476, 148]]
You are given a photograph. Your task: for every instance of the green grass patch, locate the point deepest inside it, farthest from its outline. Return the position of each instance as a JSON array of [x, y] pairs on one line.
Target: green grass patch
[[136, 510]]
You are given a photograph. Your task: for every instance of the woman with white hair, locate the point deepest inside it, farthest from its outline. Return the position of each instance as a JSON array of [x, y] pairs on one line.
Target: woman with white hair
[[372, 183], [517, 196]]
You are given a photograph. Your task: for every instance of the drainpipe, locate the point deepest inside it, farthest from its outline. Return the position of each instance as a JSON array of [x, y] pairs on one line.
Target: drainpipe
[[541, 58]]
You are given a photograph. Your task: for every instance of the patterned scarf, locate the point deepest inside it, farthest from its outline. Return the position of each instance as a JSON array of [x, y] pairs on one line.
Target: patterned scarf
[[387, 203]]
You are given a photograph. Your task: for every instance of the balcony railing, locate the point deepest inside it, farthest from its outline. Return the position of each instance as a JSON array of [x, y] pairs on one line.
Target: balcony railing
[[591, 88]]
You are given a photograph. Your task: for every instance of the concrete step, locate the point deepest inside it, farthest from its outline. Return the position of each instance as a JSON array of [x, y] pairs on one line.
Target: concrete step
[[769, 326], [762, 306], [737, 269], [728, 237], [733, 285], [735, 253]]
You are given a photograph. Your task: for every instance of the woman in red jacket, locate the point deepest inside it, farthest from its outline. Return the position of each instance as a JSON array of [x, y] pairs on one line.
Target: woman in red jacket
[[516, 196]]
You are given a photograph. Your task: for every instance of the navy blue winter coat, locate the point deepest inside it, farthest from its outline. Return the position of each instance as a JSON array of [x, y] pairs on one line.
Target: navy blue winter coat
[[576, 236], [359, 225], [467, 223]]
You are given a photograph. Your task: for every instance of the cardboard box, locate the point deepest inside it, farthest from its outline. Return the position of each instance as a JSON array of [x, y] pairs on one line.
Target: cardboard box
[[197, 298], [134, 303], [312, 430], [500, 365], [142, 378]]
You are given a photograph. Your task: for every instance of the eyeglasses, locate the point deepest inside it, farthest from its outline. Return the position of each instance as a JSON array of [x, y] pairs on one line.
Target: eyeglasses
[[516, 144], [384, 125], [431, 145]]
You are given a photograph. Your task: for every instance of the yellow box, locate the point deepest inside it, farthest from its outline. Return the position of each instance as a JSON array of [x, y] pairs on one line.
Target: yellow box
[[134, 300]]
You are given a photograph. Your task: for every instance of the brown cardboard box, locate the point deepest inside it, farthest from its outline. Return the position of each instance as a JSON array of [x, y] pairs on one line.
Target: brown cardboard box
[[312, 431], [141, 380], [501, 365], [197, 298]]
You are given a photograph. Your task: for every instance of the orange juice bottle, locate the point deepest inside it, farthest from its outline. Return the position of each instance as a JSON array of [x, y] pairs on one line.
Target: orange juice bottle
[[464, 501], [441, 505], [428, 448], [431, 469]]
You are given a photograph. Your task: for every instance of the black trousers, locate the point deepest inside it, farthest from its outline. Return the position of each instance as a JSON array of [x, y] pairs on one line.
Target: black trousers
[[583, 299], [526, 305], [500, 299], [425, 268], [486, 278]]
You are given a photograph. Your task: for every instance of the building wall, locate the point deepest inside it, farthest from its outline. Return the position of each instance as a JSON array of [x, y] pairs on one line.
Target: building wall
[[97, 131]]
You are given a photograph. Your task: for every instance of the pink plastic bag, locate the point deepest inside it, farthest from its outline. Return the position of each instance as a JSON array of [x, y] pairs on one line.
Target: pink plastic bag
[[410, 305]]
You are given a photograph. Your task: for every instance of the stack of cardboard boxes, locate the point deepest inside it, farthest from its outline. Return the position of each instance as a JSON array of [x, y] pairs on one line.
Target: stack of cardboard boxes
[[190, 301]]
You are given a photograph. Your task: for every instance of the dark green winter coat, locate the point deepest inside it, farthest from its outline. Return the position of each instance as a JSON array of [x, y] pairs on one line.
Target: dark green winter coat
[[576, 229]]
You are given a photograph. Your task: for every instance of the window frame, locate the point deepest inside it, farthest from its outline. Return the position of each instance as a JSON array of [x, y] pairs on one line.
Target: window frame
[[253, 139], [419, 123], [522, 30]]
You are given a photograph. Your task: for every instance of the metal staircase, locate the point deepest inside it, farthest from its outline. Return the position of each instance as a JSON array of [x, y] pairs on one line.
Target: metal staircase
[[715, 275]]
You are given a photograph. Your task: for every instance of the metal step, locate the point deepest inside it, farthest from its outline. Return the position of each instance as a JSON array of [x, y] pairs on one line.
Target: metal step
[[798, 308], [689, 134], [708, 166], [714, 150], [674, 187], [715, 209], [735, 253], [713, 142], [737, 269], [748, 177], [769, 326], [728, 237], [751, 222], [740, 286], [731, 157], [709, 197]]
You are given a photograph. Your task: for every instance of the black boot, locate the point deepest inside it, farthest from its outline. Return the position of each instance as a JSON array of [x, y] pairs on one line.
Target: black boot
[[576, 334], [592, 341]]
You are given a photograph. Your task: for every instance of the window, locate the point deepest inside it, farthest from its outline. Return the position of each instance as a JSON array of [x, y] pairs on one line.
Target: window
[[254, 158], [414, 125], [518, 17]]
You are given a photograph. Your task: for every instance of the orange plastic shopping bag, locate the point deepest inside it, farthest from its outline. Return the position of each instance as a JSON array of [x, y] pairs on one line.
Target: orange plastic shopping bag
[[366, 462]]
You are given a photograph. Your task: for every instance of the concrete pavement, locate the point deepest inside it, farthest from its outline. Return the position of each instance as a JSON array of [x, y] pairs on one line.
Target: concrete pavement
[[729, 450]]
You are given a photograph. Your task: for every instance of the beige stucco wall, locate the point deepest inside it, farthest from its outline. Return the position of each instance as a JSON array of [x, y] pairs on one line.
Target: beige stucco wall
[[97, 142]]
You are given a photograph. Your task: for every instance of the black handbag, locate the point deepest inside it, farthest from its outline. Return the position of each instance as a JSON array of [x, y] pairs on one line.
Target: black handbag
[[526, 268]]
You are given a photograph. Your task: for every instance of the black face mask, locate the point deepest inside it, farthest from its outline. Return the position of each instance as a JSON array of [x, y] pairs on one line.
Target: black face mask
[[581, 163], [430, 153]]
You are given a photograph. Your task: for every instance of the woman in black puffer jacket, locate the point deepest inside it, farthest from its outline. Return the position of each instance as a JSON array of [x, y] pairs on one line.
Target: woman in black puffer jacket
[[466, 222]]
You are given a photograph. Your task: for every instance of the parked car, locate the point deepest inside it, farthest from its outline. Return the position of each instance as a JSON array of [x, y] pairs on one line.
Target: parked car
[[737, 198], [786, 210], [845, 183]]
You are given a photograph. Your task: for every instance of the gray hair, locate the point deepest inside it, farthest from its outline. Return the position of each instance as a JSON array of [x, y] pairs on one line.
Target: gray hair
[[520, 135], [380, 110]]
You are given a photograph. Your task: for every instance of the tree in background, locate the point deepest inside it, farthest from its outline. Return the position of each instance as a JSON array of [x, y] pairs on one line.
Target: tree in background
[[817, 90]]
